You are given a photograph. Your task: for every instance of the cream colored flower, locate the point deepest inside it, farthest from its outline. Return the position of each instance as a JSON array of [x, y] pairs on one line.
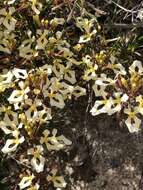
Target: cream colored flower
[[44, 115], [36, 6], [38, 160], [56, 100], [7, 39], [87, 37], [10, 126], [90, 73], [57, 21], [102, 106], [36, 113], [73, 61], [86, 26], [116, 67], [58, 68], [139, 99], [91, 68], [66, 90], [6, 78], [6, 18], [34, 187], [104, 81], [7, 110], [42, 40], [133, 122], [12, 144], [19, 73], [58, 181], [136, 67], [79, 91], [19, 95], [32, 111], [11, 2], [25, 49], [69, 75], [87, 60], [65, 52], [54, 142], [118, 100], [26, 181], [99, 90]]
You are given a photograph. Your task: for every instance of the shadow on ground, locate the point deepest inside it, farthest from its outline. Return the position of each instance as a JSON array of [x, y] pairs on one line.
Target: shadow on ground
[[103, 156]]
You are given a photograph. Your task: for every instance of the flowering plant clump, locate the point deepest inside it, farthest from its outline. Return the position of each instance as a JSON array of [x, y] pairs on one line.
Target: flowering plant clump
[[44, 66], [124, 94]]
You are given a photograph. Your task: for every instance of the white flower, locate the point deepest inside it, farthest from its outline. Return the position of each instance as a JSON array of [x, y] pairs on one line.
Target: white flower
[[136, 67], [44, 115], [42, 40], [79, 91], [7, 20], [74, 61], [99, 90], [11, 2], [38, 160], [139, 99], [87, 60], [103, 80], [116, 67], [66, 53], [87, 37], [57, 21], [26, 181], [12, 144], [25, 49], [58, 181], [102, 106], [66, 89], [133, 122], [57, 100], [58, 69], [19, 95], [7, 110], [7, 39], [32, 111], [36, 6], [54, 142], [34, 187], [19, 73], [6, 78], [118, 100], [109, 106], [10, 126], [46, 69], [90, 73], [85, 25], [69, 75]]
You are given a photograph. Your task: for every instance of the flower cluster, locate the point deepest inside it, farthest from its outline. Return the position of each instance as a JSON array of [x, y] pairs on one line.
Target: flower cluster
[[44, 66], [44, 81], [122, 93], [28, 108]]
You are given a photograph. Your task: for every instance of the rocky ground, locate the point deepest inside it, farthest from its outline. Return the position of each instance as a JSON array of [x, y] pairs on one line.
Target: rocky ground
[[104, 156]]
